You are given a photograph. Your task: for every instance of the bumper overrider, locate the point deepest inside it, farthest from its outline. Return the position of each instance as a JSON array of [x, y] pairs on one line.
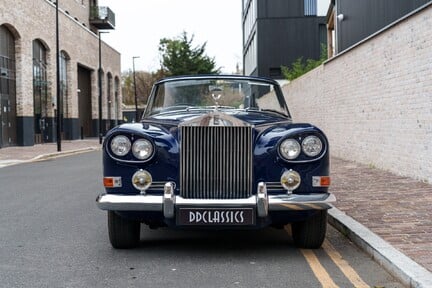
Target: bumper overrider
[[262, 202]]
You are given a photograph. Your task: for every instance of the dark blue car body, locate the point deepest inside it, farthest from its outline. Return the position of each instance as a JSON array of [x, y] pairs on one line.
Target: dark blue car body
[[244, 166]]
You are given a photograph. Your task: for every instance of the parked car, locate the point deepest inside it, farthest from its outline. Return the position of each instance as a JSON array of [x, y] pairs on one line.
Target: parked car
[[216, 152]]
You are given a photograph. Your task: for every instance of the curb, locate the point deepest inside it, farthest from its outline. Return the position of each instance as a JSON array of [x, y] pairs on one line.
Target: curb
[[60, 154], [42, 157], [396, 263]]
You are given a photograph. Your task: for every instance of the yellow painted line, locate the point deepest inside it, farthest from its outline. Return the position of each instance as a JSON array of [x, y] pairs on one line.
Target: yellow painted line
[[319, 271], [343, 265]]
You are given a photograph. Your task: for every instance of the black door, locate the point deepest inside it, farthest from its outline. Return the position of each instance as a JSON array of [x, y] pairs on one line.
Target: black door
[[40, 92], [7, 89], [84, 101]]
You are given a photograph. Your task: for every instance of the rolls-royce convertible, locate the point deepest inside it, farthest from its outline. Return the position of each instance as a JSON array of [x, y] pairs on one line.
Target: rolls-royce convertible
[[216, 152]]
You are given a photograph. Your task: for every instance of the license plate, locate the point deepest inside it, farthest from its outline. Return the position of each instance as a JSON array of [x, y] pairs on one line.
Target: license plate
[[216, 216]]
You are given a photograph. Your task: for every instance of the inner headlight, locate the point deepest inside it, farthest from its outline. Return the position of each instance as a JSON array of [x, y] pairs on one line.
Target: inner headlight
[[120, 145], [312, 146], [289, 149], [142, 149]]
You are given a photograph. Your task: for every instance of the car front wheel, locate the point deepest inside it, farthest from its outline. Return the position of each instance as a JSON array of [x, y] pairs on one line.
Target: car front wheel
[[123, 233], [310, 234]]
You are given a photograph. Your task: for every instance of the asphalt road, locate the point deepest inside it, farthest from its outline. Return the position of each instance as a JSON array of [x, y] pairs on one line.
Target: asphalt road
[[53, 235]]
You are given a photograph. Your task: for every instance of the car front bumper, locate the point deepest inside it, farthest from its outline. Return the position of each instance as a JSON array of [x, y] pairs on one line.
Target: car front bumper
[[168, 202]]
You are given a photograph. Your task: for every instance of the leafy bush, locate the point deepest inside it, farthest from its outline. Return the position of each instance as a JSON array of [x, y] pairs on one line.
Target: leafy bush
[[300, 67]]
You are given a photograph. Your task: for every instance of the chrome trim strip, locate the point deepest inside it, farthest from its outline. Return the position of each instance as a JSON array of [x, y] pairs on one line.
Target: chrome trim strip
[[274, 186], [301, 202], [117, 202], [251, 201], [281, 202]]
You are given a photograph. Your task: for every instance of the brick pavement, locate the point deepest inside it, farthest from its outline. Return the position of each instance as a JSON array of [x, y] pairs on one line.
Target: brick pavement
[[396, 208]]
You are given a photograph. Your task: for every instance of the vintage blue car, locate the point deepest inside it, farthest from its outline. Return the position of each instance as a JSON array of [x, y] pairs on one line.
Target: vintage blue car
[[216, 152]]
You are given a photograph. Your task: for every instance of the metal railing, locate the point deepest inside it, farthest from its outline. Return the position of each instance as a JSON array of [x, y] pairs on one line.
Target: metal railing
[[103, 14]]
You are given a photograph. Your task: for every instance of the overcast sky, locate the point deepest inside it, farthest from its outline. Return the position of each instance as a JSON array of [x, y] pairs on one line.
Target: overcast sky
[[140, 24]]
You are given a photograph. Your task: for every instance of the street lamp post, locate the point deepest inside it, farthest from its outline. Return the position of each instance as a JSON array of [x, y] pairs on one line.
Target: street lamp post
[[59, 106], [100, 88], [135, 88]]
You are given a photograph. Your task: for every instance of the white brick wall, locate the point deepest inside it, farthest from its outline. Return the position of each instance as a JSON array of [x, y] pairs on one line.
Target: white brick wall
[[374, 102]]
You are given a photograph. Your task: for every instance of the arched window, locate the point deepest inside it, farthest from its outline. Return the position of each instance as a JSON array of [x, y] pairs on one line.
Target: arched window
[[64, 92], [109, 100], [116, 100], [40, 91], [7, 88]]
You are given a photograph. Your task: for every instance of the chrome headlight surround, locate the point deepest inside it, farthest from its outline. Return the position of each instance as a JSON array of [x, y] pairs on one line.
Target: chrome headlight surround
[[142, 149], [312, 146], [289, 149], [120, 145]]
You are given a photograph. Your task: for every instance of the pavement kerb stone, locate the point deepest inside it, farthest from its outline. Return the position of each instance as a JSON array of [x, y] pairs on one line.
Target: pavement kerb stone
[[65, 153], [398, 264]]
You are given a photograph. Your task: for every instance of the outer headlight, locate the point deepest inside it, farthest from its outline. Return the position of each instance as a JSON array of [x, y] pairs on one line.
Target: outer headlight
[[142, 149], [312, 146], [120, 145], [289, 149]]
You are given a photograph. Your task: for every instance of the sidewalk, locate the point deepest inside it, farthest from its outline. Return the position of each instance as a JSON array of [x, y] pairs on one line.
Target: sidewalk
[[19, 154], [372, 205]]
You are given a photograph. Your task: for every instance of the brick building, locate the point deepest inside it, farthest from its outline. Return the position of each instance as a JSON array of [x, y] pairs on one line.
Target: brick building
[[28, 71]]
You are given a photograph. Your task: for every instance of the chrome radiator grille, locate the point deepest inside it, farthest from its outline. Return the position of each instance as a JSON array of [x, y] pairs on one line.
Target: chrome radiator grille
[[216, 162]]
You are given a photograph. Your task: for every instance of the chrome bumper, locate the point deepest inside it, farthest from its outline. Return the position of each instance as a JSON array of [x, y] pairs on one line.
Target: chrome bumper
[[262, 201]]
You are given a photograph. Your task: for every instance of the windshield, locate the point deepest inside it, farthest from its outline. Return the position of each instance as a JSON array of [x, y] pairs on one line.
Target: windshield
[[208, 93]]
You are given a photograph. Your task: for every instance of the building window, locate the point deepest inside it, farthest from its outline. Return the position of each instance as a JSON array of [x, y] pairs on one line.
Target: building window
[[109, 100], [310, 7], [249, 20], [40, 91], [250, 58], [64, 92], [7, 88]]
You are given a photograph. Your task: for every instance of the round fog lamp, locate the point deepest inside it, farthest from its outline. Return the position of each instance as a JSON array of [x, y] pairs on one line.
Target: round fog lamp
[[141, 180], [290, 180]]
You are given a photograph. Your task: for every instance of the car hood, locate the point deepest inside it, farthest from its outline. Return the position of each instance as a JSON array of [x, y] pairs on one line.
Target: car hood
[[251, 117]]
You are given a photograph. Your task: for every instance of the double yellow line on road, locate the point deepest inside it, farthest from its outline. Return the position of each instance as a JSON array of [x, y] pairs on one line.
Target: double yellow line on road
[[321, 273]]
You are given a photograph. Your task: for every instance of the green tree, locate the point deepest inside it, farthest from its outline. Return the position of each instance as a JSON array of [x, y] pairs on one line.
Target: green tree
[[144, 83], [178, 57], [300, 67]]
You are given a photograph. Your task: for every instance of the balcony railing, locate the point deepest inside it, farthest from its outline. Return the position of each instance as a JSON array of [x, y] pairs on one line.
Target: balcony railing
[[102, 17]]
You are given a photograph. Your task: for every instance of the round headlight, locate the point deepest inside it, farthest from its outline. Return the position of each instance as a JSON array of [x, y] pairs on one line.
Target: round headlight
[[120, 145], [312, 146], [142, 149], [289, 149], [141, 180]]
